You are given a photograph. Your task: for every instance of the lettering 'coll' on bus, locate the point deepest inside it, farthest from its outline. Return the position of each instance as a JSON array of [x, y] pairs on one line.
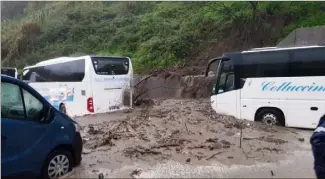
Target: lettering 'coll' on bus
[[288, 86], [284, 86], [83, 85]]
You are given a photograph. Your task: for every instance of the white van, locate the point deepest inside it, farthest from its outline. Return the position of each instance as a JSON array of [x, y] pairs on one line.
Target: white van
[[83, 85]]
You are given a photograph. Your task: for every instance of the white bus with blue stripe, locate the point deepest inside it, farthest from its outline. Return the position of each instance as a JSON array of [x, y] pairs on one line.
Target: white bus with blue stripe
[[83, 85], [278, 86]]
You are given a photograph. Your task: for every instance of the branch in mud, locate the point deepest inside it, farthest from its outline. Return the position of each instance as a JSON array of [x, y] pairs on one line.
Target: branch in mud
[[242, 126], [212, 156], [147, 77], [139, 150]]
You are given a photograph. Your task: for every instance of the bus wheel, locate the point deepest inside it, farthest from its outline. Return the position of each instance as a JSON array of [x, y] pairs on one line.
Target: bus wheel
[[63, 109], [271, 117]]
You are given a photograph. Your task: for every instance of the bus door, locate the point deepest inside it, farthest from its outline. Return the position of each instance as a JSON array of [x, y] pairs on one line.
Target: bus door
[[111, 79], [227, 98]]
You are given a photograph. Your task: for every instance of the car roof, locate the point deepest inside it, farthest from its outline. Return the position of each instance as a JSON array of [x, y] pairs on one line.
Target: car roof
[[10, 79], [9, 68]]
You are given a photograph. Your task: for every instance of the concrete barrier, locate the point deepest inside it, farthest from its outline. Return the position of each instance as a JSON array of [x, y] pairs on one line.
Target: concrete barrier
[[304, 36]]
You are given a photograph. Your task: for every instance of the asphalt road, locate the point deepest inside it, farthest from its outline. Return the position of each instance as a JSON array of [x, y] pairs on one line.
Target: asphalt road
[[299, 165]]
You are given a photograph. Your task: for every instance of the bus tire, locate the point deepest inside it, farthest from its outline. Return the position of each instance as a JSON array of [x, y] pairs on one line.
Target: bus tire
[[63, 109], [271, 117]]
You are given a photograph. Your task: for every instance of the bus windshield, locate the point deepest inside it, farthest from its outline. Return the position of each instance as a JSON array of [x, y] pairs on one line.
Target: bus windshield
[[225, 77], [110, 65]]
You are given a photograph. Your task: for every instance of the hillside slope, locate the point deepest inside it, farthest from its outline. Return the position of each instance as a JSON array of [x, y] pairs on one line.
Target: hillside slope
[[153, 34]]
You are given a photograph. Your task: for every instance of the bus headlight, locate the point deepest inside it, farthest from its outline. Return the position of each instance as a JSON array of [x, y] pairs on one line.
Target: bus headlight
[[77, 127]]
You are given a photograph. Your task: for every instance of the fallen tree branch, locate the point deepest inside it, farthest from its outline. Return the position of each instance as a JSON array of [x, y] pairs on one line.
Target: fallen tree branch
[[164, 146], [187, 129], [212, 156], [147, 77], [131, 151]]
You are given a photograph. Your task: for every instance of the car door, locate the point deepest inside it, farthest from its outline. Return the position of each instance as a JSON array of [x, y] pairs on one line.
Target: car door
[[21, 130]]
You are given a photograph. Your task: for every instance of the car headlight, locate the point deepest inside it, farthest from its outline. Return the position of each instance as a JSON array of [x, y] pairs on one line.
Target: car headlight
[[77, 126]]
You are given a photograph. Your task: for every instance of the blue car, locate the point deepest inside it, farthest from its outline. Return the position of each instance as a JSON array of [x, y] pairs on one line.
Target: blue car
[[37, 140]]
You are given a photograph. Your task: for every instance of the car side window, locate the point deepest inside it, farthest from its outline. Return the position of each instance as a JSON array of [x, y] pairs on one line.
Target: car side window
[[12, 106], [34, 108], [19, 104]]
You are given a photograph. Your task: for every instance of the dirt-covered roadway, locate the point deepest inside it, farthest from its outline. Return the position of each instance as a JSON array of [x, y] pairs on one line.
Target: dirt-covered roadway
[[185, 138]]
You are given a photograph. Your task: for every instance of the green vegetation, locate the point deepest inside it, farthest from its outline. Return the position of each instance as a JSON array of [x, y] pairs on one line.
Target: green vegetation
[[153, 34]]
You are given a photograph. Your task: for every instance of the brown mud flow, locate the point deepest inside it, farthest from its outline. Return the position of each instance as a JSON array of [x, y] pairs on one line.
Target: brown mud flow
[[170, 85], [184, 131]]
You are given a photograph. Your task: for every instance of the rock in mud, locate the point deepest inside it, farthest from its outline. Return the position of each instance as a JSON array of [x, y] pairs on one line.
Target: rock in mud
[[188, 160], [228, 126], [135, 172], [224, 142], [86, 151], [93, 131], [215, 146], [273, 140], [175, 132], [212, 140], [301, 139]]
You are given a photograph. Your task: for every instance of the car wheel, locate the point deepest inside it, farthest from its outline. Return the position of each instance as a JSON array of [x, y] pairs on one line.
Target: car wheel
[[63, 109], [57, 164], [271, 117]]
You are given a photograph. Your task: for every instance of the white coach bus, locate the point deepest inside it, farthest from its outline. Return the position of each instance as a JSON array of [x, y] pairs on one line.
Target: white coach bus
[[278, 86], [83, 85]]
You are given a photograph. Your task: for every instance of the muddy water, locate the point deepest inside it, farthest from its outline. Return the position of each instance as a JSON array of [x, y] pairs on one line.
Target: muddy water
[[186, 139], [175, 86]]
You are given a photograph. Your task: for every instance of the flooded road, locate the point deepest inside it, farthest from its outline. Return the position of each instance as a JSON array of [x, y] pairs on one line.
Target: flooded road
[[185, 138]]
